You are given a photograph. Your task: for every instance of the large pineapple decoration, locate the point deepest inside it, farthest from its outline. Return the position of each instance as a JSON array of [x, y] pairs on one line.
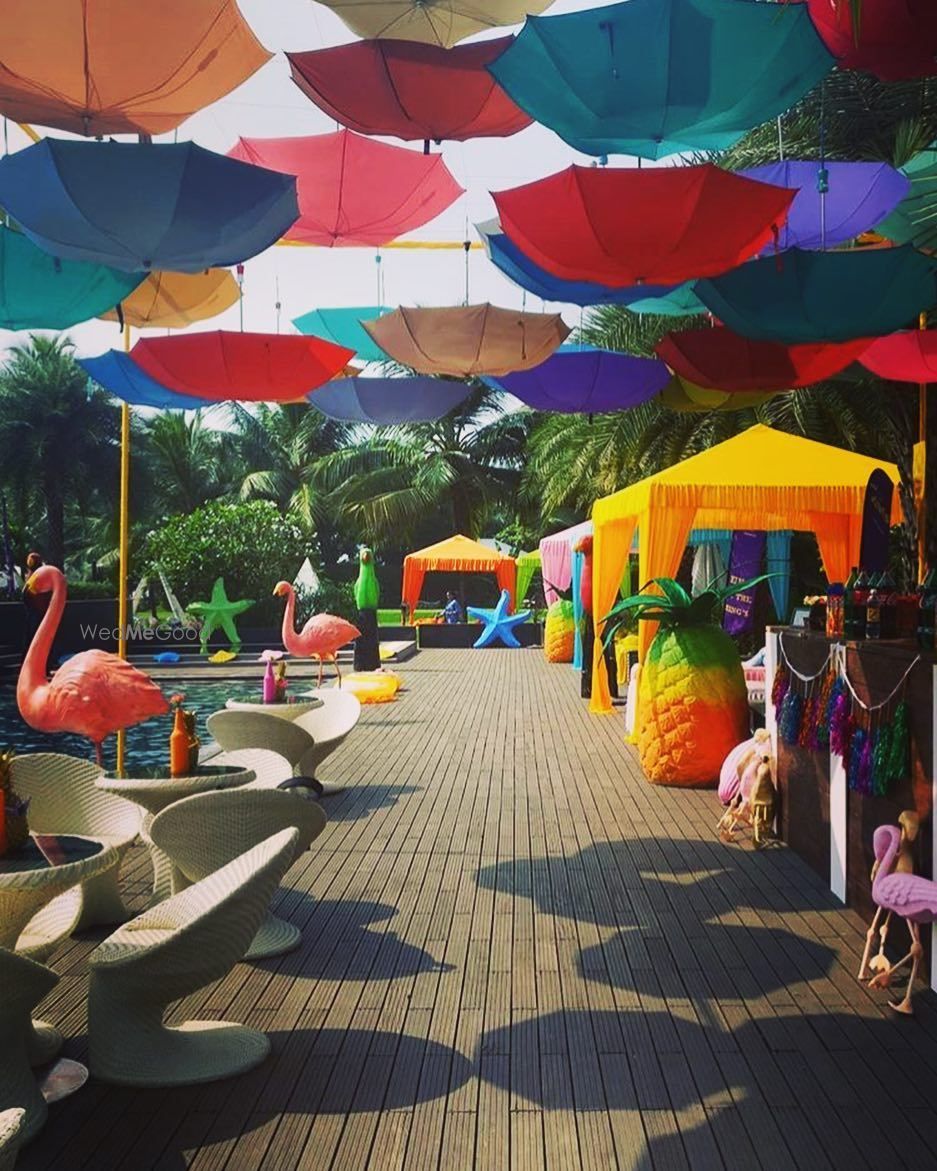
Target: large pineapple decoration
[[559, 635], [692, 699]]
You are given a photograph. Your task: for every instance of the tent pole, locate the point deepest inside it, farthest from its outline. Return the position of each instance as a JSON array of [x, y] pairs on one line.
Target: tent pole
[[124, 546], [922, 497]]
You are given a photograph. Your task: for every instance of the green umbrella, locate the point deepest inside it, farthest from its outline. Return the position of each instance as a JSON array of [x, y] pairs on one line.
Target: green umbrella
[[914, 220], [343, 326]]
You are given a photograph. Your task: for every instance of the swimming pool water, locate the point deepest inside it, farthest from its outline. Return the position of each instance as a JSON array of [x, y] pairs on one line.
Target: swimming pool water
[[147, 743]]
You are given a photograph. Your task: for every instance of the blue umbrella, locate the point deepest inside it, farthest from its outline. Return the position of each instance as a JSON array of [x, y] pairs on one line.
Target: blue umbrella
[[521, 270], [119, 374], [651, 77], [386, 401], [141, 206], [582, 380], [343, 326], [824, 296]]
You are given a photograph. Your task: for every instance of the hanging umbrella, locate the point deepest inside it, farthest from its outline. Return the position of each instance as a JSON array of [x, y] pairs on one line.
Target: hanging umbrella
[[439, 22], [896, 38], [119, 374], [250, 367], [908, 356], [583, 380], [823, 296], [411, 91], [139, 206], [630, 226], [173, 300], [38, 291], [353, 190], [388, 401], [651, 77], [469, 340], [721, 360], [343, 326], [681, 395], [914, 220], [681, 301], [121, 66], [858, 196]]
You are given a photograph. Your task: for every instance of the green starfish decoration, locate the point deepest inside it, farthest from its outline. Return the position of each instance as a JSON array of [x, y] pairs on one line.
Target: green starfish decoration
[[219, 611]]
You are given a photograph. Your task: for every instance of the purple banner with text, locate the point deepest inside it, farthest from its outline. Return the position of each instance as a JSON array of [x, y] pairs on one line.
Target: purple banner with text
[[746, 560], [876, 522]]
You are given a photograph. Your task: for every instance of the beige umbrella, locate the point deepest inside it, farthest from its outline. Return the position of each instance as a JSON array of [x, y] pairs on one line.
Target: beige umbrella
[[432, 22], [173, 300], [469, 340]]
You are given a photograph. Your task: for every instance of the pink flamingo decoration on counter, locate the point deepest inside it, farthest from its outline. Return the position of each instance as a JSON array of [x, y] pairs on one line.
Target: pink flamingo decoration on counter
[[93, 693], [320, 638], [911, 897]]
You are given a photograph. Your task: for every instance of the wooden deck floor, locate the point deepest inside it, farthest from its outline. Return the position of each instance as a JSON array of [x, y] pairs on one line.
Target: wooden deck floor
[[518, 954]]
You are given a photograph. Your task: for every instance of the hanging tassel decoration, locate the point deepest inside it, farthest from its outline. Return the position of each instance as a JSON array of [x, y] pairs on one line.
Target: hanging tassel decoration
[[864, 769], [853, 758], [808, 721], [820, 726], [781, 686], [789, 718], [839, 724], [900, 747], [880, 757]]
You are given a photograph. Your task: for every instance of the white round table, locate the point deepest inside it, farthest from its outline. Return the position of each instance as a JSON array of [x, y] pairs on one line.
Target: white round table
[[286, 711]]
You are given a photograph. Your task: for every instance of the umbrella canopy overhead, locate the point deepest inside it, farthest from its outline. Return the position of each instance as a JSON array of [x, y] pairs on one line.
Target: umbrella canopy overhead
[[908, 356], [914, 220], [652, 77], [388, 401], [119, 66], [174, 300], [858, 196], [38, 291], [824, 296], [250, 367], [468, 340], [440, 22], [630, 226], [686, 397], [353, 190], [582, 380], [896, 38], [719, 359], [412, 91], [119, 374], [343, 326], [142, 206]]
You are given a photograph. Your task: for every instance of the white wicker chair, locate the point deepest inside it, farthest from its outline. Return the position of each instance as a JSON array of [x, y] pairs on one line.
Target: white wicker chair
[[203, 833], [236, 731], [167, 953], [23, 983], [329, 726], [11, 1127], [269, 768], [63, 798]]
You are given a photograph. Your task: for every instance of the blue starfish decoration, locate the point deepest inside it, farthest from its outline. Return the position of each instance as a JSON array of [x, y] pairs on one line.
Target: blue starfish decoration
[[498, 623]]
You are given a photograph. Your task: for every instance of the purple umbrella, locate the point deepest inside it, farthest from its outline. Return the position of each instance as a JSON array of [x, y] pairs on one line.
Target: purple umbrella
[[388, 401], [582, 380], [858, 196]]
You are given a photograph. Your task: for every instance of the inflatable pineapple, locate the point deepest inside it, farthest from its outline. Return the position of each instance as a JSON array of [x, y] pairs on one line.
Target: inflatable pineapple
[[692, 700], [559, 634]]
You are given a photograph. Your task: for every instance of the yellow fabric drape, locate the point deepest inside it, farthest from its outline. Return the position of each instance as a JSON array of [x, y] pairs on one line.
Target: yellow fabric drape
[[660, 548], [610, 551]]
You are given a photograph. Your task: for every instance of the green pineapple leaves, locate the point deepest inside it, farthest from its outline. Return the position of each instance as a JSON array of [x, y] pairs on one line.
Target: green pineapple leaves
[[672, 607]]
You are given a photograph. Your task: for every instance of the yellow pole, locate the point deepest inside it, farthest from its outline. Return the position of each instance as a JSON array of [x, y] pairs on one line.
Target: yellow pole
[[922, 498], [124, 570]]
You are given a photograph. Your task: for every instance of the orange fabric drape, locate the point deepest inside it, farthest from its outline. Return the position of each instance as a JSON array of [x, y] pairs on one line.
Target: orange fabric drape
[[611, 548], [413, 575], [506, 576], [660, 548]]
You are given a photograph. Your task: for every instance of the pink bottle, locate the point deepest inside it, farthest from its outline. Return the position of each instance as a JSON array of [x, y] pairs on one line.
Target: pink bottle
[[270, 683]]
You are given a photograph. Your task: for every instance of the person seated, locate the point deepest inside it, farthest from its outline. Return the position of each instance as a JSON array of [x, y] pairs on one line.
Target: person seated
[[453, 612]]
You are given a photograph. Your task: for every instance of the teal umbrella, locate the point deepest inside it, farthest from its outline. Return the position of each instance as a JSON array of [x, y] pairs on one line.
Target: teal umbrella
[[914, 220], [823, 296], [343, 326], [652, 77], [38, 291], [680, 302]]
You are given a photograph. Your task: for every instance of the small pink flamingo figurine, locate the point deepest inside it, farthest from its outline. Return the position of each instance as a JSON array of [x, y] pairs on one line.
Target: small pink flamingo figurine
[[320, 638], [911, 897], [93, 693]]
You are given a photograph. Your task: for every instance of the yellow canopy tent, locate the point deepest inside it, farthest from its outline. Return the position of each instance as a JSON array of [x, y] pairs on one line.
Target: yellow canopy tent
[[762, 479], [456, 555]]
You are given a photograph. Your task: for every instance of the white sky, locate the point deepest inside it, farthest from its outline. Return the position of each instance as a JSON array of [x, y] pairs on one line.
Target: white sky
[[270, 105]]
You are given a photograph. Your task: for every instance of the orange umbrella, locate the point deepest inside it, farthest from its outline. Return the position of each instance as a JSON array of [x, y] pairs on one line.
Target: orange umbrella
[[469, 340], [442, 22], [121, 66], [173, 300]]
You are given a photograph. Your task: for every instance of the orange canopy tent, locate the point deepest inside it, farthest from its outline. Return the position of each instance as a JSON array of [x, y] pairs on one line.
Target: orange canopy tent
[[455, 555]]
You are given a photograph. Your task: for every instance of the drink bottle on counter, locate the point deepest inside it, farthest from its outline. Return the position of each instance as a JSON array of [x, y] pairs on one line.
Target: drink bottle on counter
[[888, 600], [849, 603], [860, 597], [835, 610], [873, 615]]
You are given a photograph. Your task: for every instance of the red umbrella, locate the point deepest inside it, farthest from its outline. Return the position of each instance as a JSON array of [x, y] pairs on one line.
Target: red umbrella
[[250, 367], [410, 90], [909, 356], [722, 360], [353, 190], [897, 38], [662, 225]]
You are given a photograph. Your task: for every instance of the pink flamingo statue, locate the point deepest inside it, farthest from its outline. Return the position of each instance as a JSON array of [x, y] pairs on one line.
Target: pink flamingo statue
[[911, 897], [320, 638], [93, 693]]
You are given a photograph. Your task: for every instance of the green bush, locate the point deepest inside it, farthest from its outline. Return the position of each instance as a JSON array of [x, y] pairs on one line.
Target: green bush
[[249, 544], [78, 590], [332, 597]]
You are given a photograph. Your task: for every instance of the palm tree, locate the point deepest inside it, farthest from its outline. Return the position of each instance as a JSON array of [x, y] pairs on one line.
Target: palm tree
[[59, 438], [186, 460]]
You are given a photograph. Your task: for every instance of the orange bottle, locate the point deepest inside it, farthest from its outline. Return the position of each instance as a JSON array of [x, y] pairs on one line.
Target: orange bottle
[[179, 747]]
